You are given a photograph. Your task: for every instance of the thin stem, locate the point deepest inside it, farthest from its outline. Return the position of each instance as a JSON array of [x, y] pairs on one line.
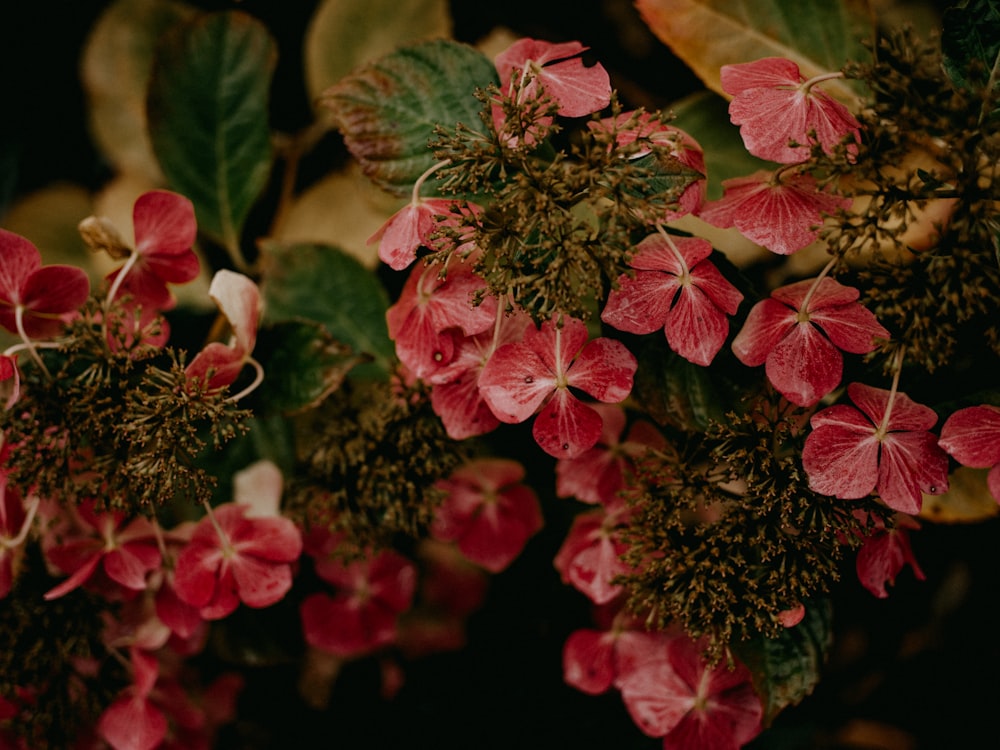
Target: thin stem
[[29, 517], [897, 367], [227, 545], [28, 343], [819, 79], [804, 308], [685, 277], [423, 178], [258, 379], [116, 284]]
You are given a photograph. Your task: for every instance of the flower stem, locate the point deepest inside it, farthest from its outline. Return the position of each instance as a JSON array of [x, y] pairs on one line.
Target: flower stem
[[685, 276], [897, 367], [258, 379], [28, 343], [415, 199], [819, 79], [804, 308]]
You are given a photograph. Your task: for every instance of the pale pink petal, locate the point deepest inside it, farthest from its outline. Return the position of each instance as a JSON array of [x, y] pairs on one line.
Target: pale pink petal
[[259, 487], [577, 89], [767, 72], [239, 300], [656, 698]]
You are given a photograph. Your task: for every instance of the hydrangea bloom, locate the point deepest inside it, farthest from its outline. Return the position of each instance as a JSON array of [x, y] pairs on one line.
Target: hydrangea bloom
[[487, 512], [10, 380], [34, 298], [596, 660], [677, 289], [407, 230], [132, 721], [781, 213], [881, 444], [539, 371], [776, 107], [798, 335], [972, 437], [590, 557], [884, 553], [689, 703], [558, 69]]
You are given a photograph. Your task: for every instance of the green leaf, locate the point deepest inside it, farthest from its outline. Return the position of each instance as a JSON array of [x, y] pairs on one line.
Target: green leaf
[[345, 34], [674, 391], [970, 42], [208, 118], [786, 669], [327, 285], [706, 117], [388, 110], [819, 35], [115, 69], [304, 365]]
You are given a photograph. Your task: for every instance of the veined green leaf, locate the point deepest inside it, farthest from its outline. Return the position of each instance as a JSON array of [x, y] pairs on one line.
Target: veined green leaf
[[970, 42], [327, 285], [786, 669], [819, 35], [388, 110], [208, 118], [345, 34]]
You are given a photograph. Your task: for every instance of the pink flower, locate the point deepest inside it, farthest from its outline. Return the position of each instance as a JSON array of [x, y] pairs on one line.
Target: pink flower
[[428, 307], [595, 660], [883, 445], [487, 512], [12, 523], [596, 475], [235, 558], [371, 593], [775, 107], [590, 557], [972, 437], [780, 213], [35, 298], [126, 552], [798, 335], [132, 722], [409, 229], [10, 380], [165, 230], [539, 371], [691, 704], [684, 149], [455, 397], [677, 289], [884, 553], [239, 300], [559, 71]]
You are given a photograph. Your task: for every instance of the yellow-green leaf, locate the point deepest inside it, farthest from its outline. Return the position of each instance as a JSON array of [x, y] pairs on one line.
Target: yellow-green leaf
[[819, 35], [345, 34]]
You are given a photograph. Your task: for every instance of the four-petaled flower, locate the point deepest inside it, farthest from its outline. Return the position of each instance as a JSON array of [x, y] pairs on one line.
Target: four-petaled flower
[[779, 212], [165, 229], [689, 703], [538, 372], [881, 444], [677, 289], [487, 512], [780, 114], [590, 557], [34, 298], [972, 437], [577, 90], [798, 335], [132, 721], [409, 229]]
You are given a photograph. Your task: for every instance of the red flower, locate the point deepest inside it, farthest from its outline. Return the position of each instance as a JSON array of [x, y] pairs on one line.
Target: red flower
[[12, 526], [596, 475], [127, 552], [521, 377], [780, 213], [428, 307], [235, 558], [799, 333], [165, 229], [407, 230], [9, 372], [239, 300], [854, 451], [487, 512], [34, 298], [594, 660], [776, 107], [691, 704], [590, 557], [132, 722], [972, 437], [371, 593], [884, 553], [675, 288], [558, 69]]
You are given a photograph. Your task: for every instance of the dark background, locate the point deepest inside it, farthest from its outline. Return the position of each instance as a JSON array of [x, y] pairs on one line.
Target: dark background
[[917, 670]]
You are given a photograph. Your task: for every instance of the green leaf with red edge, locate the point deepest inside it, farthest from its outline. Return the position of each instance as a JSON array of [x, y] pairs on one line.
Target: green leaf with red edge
[[304, 364], [819, 35], [786, 669], [208, 117], [388, 110], [327, 285]]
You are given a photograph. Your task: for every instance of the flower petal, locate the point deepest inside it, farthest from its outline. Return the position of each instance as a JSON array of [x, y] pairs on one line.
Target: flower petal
[[566, 427]]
